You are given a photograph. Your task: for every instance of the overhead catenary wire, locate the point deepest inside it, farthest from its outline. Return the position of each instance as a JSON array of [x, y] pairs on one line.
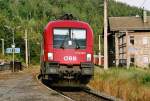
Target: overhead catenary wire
[[142, 5], [137, 3]]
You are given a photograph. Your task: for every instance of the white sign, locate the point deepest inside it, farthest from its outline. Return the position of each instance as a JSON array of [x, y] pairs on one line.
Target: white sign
[[145, 60], [145, 40], [132, 49], [10, 50]]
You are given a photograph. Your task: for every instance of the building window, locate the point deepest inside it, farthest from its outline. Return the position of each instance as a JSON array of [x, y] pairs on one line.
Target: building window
[[132, 40], [145, 40], [145, 59], [132, 60]]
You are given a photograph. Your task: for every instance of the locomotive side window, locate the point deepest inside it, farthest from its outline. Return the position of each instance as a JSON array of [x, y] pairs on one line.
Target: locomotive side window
[[69, 38]]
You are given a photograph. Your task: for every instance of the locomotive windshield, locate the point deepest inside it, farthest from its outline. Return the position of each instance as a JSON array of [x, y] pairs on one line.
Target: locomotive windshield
[[69, 38]]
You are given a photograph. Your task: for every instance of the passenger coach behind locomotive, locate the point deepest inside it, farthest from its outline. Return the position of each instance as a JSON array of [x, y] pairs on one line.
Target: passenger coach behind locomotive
[[67, 52]]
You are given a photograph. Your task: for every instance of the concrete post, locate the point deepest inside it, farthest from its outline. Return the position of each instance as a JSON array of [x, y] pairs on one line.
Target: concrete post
[[105, 36], [3, 50], [117, 49], [26, 47]]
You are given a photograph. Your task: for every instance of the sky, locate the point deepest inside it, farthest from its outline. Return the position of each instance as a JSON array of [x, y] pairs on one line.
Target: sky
[[137, 3]]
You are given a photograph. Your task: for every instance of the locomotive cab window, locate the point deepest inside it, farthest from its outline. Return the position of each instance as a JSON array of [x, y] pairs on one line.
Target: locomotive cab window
[[69, 38]]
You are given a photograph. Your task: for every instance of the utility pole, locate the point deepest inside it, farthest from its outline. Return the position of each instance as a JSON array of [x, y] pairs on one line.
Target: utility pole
[[3, 51], [99, 62], [13, 49], [26, 47], [105, 36], [13, 43]]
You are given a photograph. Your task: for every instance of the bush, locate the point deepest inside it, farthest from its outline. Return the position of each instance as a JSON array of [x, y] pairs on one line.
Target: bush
[[146, 79]]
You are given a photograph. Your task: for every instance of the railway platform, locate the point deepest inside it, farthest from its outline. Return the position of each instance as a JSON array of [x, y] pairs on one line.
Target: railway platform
[[23, 86]]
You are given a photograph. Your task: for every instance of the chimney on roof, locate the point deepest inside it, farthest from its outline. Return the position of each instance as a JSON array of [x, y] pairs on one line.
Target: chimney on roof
[[144, 16]]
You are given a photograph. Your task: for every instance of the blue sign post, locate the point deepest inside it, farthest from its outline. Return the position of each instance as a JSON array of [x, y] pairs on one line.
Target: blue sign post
[[10, 50]]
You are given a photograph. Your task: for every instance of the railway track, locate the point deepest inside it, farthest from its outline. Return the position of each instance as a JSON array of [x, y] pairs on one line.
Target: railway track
[[80, 94]]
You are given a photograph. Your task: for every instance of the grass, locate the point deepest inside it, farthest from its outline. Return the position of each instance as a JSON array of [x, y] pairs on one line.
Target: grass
[[128, 84]]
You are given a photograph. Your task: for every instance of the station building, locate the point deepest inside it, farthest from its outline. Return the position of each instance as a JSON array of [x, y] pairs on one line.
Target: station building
[[129, 41]]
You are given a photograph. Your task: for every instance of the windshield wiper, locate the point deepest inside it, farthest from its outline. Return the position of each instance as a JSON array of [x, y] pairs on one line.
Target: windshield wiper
[[62, 45], [77, 44]]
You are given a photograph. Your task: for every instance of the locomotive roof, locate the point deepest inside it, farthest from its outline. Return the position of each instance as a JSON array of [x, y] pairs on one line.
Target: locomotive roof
[[67, 21]]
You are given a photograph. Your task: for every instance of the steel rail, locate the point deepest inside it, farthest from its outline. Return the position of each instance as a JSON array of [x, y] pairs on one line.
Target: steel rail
[[38, 78], [87, 90], [100, 94]]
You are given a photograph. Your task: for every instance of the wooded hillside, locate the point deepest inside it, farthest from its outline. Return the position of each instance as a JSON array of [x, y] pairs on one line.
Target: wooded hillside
[[33, 15]]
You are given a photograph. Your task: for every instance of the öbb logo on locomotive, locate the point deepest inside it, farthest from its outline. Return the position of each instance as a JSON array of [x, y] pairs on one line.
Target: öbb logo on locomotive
[[70, 58], [67, 52]]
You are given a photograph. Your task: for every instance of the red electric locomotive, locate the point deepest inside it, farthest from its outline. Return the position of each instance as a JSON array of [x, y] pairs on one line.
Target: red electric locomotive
[[67, 52]]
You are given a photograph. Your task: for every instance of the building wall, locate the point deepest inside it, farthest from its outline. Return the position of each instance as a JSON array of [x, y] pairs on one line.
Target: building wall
[[140, 50], [132, 48], [120, 49]]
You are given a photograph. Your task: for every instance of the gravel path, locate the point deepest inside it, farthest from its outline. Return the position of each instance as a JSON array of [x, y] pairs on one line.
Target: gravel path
[[22, 86]]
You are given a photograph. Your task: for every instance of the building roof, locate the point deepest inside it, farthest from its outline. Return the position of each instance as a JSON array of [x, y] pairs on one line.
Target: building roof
[[128, 23]]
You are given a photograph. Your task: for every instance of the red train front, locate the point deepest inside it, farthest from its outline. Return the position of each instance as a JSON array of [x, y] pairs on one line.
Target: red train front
[[67, 52]]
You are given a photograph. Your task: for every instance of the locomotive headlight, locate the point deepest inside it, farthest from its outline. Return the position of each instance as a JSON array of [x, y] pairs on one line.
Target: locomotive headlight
[[50, 56], [88, 57]]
